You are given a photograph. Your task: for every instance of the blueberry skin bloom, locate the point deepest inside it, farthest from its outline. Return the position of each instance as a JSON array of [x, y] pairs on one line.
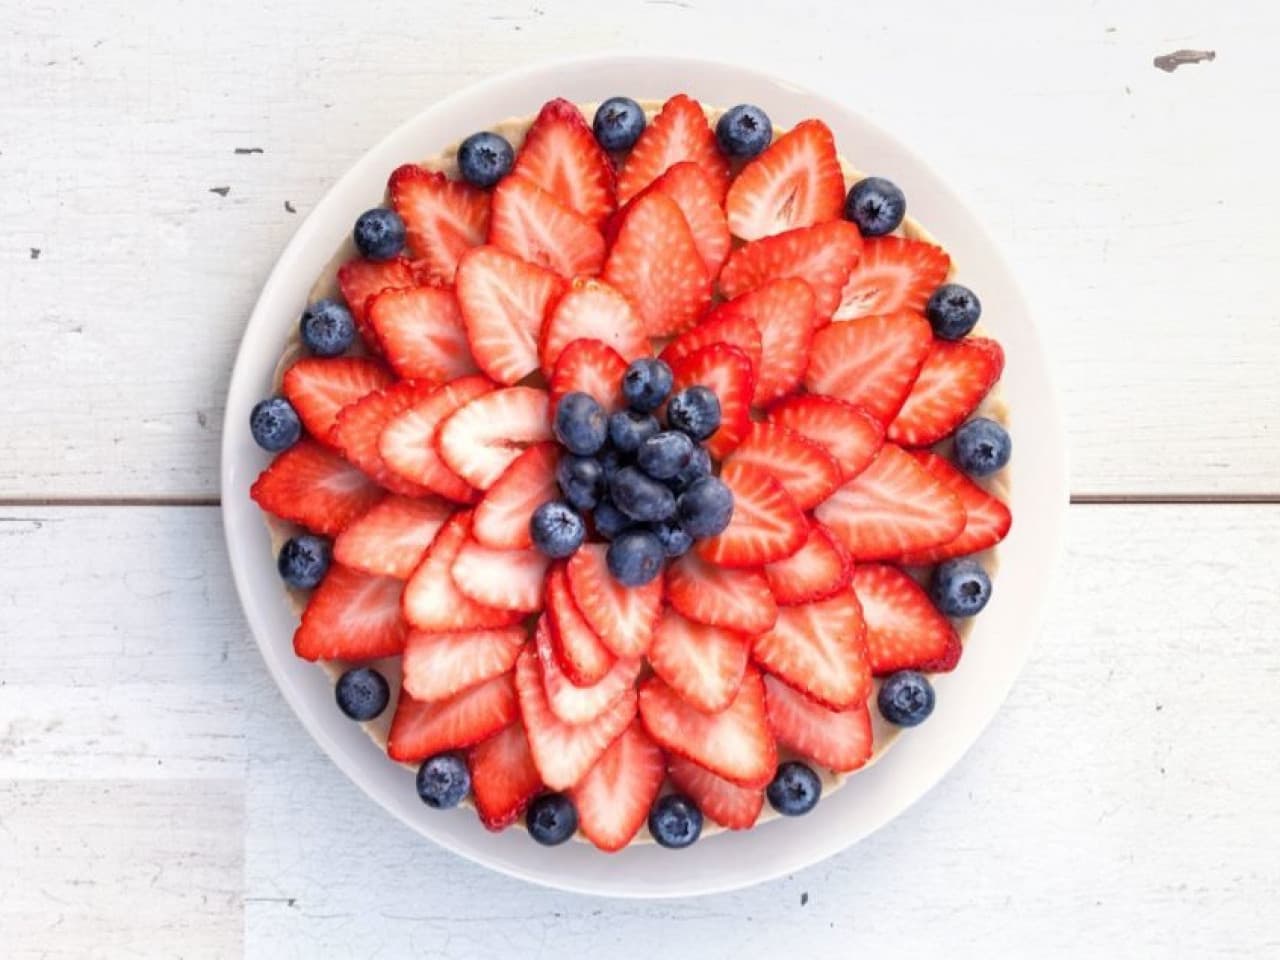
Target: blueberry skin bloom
[[362, 693], [706, 508], [304, 560], [581, 480], [646, 384], [695, 411], [443, 780], [876, 205], [641, 497], [906, 698], [982, 447], [484, 158], [794, 790], [635, 557], [618, 123], [275, 424], [327, 328], [580, 423], [960, 588], [379, 234], [744, 130], [551, 819], [675, 821], [953, 310], [664, 455], [628, 429], [557, 529]]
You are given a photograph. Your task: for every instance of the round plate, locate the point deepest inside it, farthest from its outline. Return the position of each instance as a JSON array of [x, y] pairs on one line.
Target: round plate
[[967, 698]]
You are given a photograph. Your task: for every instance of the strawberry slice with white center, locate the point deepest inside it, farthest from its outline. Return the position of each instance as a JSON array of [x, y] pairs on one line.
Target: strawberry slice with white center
[[351, 616], [839, 740], [871, 363], [622, 617], [734, 743], [703, 664], [720, 326], [737, 600], [695, 194], [954, 379], [592, 310], [502, 517], [904, 629], [893, 507], [946, 661], [726, 371], [892, 274], [438, 665], [614, 797], [805, 470], [582, 657], [421, 333], [433, 602], [358, 428], [591, 367], [767, 526], [531, 224], [361, 280], [679, 133], [720, 800], [407, 443], [443, 218], [421, 729], [848, 433], [503, 777], [574, 704], [391, 538], [819, 569], [504, 302], [655, 263], [315, 488], [319, 387], [560, 154], [783, 313], [822, 256], [564, 752], [482, 438], [796, 182], [820, 648], [502, 579], [986, 519]]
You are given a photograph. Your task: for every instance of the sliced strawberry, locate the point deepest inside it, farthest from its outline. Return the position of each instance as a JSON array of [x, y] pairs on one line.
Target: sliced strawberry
[[443, 218], [362, 280], [678, 133], [438, 665], [893, 507], [796, 182], [563, 752], [533, 225], [819, 569], [351, 616], [720, 326], [481, 439], [582, 657], [721, 800], [502, 517], [421, 729], [357, 432], [822, 256], [820, 648], [946, 661], [848, 433], [727, 372], [407, 442], [986, 519], [734, 743], [503, 777], [871, 362], [737, 600], [767, 526], [655, 263], [805, 470], [592, 310], [504, 301], [892, 274], [839, 740], [561, 155], [782, 312], [421, 333], [574, 704], [433, 602], [391, 538], [614, 797], [696, 195], [315, 488], [318, 387], [622, 617], [904, 630], [502, 579], [591, 367], [954, 379], [703, 664]]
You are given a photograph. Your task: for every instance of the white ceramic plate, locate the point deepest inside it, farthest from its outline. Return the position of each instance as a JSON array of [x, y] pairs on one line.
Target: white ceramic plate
[[967, 698]]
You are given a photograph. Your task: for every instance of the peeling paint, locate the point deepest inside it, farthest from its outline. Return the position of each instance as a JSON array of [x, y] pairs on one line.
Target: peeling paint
[[1170, 62]]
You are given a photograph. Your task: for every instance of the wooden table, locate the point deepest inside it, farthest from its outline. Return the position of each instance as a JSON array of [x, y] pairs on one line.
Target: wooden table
[[157, 798]]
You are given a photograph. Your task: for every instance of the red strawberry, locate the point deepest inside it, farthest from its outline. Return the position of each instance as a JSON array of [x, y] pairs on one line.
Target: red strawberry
[[954, 379], [438, 665], [871, 362], [734, 743], [582, 657], [946, 661], [622, 617], [433, 602], [362, 280], [806, 471], [503, 777], [443, 218], [357, 432], [819, 569], [502, 579], [536, 227], [315, 488], [893, 274], [502, 517], [560, 154], [574, 704], [503, 302], [721, 800], [591, 367], [421, 729], [819, 648], [839, 740], [720, 326], [986, 519], [592, 310], [318, 387], [737, 600], [767, 526], [564, 752], [904, 630], [678, 133], [481, 439], [782, 312], [655, 263], [614, 797], [822, 256], [796, 182], [391, 538], [351, 616], [407, 442], [727, 372], [848, 433], [696, 196], [893, 507], [703, 664], [421, 333]]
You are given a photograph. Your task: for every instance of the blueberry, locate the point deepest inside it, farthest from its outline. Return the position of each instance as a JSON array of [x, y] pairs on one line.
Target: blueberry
[[699, 466], [580, 423], [362, 693], [609, 520], [443, 780], [304, 560], [664, 455], [876, 205], [628, 429], [675, 821], [484, 158], [618, 123], [674, 538], [640, 497], [274, 424], [695, 411], [646, 384], [379, 234], [706, 508], [953, 310], [794, 789], [960, 588], [635, 557], [982, 447], [905, 698], [557, 529], [611, 461], [744, 130], [551, 819], [328, 328], [581, 481]]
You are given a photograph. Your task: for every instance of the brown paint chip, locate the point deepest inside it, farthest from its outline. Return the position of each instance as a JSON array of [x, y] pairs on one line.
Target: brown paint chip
[[1170, 62]]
